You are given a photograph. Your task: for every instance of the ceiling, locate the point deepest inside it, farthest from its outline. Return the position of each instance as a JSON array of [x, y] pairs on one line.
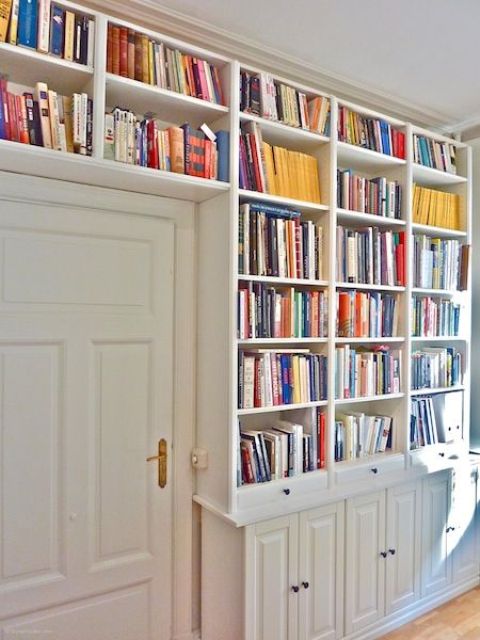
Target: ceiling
[[422, 52]]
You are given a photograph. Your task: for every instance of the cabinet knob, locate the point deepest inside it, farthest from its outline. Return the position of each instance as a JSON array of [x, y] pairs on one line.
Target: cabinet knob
[[286, 492], [305, 585], [450, 529], [374, 470], [392, 552], [383, 554], [442, 454], [295, 588]]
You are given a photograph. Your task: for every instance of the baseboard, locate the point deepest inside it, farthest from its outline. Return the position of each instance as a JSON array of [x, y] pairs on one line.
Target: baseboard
[[395, 620]]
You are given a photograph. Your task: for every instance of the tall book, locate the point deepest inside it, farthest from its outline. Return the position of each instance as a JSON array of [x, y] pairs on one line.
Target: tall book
[[41, 96], [43, 25], [5, 11], [27, 23]]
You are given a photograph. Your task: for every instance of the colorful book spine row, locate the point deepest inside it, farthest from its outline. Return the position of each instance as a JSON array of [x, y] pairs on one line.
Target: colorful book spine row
[[48, 27], [132, 54], [423, 424], [434, 317], [366, 315], [436, 367], [270, 378], [276, 170], [358, 435], [370, 133], [178, 149], [360, 373], [436, 208], [377, 196], [284, 450], [437, 155], [439, 263], [370, 256], [273, 241], [267, 312], [45, 119], [262, 95]]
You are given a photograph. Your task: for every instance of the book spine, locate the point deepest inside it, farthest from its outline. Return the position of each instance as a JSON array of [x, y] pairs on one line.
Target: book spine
[[27, 24], [43, 25], [41, 94], [5, 11], [70, 36], [124, 52], [13, 31], [57, 30]]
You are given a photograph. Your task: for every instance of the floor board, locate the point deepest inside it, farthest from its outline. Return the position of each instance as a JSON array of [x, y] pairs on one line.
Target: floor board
[[459, 618]]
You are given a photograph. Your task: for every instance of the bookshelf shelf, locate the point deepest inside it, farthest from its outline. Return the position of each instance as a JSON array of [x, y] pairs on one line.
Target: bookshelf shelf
[[438, 232], [438, 339], [434, 292], [168, 106], [28, 66], [356, 217], [428, 176], [284, 281], [247, 341], [299, 205], [284, 135], [350, 155], [376, 398], [368, 287], [435, 391], [282, 407], [369, 340]]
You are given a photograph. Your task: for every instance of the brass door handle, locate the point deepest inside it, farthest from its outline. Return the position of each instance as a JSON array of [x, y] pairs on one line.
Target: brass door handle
[[162, 462]]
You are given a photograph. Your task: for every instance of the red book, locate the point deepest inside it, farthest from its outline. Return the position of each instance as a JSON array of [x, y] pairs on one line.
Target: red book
[[257, 394], [189, 74], [110, 49], [203, 80], [131, 54], [255, 160], [12, 117], [116, 50], [138, 57], [124, 52], [400, 259], [299, 249], [247, 469], [152, 144], [401, 145], [321, 441], [22, 122], [208, 159]]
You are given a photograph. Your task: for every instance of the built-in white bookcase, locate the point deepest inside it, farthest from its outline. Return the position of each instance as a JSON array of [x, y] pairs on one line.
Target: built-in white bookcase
[[217, 261]]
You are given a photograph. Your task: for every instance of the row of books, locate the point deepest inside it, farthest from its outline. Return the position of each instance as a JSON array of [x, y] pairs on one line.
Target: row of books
[[366, 314], [437, 418], [269, 377], [437, 208], [370, 133], [434, 154], [132, 54], [370, 256], [283, 450], [439, 263], [436, 367], [363, 373], [276, 170], [262, 95], [179, 149], [378, 196], [48, 27], [268, 312], [46, 119], [273, 241], [358, 435], [434, 317]]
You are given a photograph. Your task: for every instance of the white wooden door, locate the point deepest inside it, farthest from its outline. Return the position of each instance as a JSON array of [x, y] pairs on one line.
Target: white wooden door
[[365, 566], [463, 537], [86, 364], [321, 543], [403, 546], [271, 584], [436, 561]]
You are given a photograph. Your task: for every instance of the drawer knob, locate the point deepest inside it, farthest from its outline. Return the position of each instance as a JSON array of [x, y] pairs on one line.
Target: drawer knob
[[392, 552], [295, 588], [374, 470], [383, 554], [305, 585], [286, 492]]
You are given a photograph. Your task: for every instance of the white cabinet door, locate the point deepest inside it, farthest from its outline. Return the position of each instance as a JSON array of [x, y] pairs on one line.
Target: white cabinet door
[[321, 572], [365, 566], [403, 546], [463, 536], [272, 580], [436, 563]]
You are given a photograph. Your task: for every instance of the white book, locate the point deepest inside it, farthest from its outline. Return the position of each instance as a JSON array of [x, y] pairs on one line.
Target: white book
[[267, 368], [43, 36], [297, 431], [109, 137], [91, 42], [248, 381]]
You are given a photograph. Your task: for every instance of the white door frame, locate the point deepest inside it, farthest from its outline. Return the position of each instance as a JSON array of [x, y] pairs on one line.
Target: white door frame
[[20, 188]]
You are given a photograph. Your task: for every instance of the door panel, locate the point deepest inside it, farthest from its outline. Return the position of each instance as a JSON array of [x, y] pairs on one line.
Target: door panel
[[365, 568], [86, 368], [321, 566], [403, 538], [463, 540]]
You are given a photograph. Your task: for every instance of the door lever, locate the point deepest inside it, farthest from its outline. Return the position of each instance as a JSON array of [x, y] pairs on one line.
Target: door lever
[[162, 462]]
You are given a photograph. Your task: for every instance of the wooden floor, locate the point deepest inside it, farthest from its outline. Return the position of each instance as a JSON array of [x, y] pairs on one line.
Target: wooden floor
[[459, 618]]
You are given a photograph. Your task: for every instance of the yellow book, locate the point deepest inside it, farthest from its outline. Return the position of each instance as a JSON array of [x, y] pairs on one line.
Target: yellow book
[[69, 35], [151, 75], [12, 34], [269, 167], [296, 379], [5, 10]]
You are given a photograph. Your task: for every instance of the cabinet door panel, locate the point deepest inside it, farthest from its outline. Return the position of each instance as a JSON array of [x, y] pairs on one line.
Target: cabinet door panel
[[463, 540], [365, 567], [321, 568], [403, 539], [271, 571], [436, 562]]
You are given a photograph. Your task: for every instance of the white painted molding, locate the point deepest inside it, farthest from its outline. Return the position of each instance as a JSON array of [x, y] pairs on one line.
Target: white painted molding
[[160, 18]]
